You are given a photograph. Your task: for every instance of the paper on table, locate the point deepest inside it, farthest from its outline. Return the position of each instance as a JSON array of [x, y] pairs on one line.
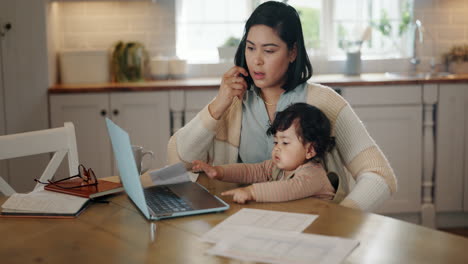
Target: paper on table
[[271, 246], [170, 175], [264, 219], [42, 201]]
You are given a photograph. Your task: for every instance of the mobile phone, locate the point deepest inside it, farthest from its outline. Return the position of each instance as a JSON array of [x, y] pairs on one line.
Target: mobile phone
[[242, 60]]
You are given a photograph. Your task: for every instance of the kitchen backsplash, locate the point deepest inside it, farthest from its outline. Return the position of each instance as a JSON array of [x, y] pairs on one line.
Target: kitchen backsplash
[[97, 25], [446, 24]]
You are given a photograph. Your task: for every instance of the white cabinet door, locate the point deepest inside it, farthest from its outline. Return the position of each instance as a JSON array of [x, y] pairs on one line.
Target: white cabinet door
[[393, 117], [145, 116], [465, 178], [397, 131], [3, 163], [451, 145], [87, 112], [195, 101], [24, 82], [2, 98]]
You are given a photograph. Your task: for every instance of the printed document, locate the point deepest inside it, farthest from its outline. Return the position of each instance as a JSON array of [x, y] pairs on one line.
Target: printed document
[[170, 175], [271, 246], [261, 219]]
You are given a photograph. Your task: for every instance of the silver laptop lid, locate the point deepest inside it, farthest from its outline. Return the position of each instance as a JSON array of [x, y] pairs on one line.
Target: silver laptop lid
[[127, 167]]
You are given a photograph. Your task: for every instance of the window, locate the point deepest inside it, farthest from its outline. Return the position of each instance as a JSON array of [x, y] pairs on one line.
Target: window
[[204, 25], [389, 21], [311, 13], [330, 26]]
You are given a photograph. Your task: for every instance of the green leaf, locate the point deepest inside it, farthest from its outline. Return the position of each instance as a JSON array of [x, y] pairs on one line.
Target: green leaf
[[231, 42]]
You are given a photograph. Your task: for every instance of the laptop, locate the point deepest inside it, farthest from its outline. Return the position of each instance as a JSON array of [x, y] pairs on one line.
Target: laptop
[[159, 201]]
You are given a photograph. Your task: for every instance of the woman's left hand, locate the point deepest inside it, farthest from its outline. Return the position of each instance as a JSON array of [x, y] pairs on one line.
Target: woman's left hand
[[240, 195]]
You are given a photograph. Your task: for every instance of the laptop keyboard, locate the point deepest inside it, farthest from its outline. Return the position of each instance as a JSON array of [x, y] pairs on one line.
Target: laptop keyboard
[[161, 199]]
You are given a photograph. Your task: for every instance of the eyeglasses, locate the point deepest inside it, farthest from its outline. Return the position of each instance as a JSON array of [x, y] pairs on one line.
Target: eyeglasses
[[85, 177]]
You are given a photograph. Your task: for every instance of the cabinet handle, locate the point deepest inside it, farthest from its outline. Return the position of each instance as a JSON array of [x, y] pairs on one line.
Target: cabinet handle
[[116, 112], [103, 112], [6, 27]]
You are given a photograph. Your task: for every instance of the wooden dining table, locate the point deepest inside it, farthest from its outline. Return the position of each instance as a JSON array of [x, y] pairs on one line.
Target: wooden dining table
[[116, 232]]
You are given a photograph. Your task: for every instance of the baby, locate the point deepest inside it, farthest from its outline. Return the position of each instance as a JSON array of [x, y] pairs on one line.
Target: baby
[[301, 139]]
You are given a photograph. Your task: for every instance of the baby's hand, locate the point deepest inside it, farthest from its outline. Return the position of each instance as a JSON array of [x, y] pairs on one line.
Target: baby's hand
[[210, 171], [240, 195]]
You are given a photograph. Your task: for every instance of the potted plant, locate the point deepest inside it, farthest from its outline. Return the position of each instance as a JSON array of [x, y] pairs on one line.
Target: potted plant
[[456, 59], [228, 49]]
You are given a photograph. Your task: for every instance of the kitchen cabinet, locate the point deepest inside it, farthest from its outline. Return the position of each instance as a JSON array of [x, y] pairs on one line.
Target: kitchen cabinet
[[195, 101], [144, 115], [465, 163], [393, 117], [186, 104], [23, 84], [451, 177], [3, 163]]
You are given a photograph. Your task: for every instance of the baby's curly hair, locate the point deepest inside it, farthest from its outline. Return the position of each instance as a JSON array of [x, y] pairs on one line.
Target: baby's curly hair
[[312, 126]]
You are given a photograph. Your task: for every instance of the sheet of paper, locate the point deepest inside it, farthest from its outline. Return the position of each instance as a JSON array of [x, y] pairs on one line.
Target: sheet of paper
[[260, 245], [170, 175], [264, 219], [42, 201]]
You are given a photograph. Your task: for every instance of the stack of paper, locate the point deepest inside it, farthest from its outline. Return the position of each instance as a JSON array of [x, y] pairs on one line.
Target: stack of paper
[[275, 237]]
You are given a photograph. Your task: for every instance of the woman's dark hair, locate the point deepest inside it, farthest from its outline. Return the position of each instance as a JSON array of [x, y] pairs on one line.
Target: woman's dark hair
[[285, 20], [312, 126]]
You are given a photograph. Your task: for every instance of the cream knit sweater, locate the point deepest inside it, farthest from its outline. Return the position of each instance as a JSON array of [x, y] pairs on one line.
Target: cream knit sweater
[[356, 154]]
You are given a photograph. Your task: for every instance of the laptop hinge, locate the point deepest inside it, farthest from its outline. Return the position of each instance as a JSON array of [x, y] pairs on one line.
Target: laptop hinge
[[153, 214], [151, 211]]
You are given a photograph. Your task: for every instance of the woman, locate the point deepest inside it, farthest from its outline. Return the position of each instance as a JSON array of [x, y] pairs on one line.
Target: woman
[[271, 72]]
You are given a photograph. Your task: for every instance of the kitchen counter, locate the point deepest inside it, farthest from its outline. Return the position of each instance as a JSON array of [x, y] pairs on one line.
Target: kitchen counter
[[162, 85], [213, 83]]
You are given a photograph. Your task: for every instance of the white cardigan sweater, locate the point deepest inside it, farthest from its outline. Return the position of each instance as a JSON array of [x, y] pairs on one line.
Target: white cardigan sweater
[[356, 154]]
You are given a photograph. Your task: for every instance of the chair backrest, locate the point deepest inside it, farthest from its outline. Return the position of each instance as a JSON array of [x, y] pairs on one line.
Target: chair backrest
[[60, 141]]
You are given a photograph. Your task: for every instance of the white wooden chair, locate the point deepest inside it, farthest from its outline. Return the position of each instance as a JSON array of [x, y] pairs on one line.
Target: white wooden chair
[[59, 141]]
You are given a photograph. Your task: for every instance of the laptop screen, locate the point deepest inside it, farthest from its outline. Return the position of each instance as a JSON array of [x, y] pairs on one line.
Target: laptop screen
[[127, 167]]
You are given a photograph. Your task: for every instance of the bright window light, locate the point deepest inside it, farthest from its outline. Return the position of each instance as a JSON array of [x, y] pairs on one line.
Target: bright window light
[[329, 26]]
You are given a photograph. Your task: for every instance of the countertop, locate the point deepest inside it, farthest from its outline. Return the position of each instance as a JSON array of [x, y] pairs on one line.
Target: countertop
[[333, 80]]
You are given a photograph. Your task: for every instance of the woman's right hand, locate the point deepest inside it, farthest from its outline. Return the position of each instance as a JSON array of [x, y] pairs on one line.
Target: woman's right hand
[[233, 85]]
